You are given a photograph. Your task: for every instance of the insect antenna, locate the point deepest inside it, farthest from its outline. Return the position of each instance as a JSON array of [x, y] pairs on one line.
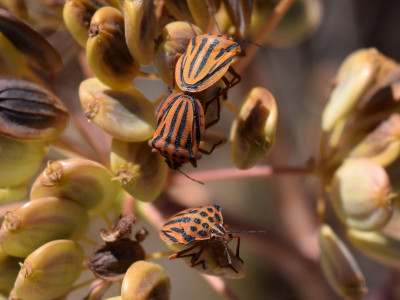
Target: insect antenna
[[189, 177], [248, 231], [212, 15]]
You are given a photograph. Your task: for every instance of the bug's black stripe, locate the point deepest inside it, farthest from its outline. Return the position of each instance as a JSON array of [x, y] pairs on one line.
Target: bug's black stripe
[[172, 125], [228, 49], [203, 214], [217, 217], [169, 236], [189, 147], [210, 209], [216, 232], [217, 207], [193, 44], [153, 143], [181, 128], [177, 230], [188, 238], [167, 110], [195, 86], [220, 228], [205, 57], [203, 42], [184, 220], [196, 121]]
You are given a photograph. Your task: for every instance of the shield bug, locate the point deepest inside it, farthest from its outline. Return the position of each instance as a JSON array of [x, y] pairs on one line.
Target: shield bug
[[206, 60], [200, 228], [180, 127]]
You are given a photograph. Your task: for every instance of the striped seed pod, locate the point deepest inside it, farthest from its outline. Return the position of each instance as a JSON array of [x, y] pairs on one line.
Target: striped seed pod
[[205, 61]]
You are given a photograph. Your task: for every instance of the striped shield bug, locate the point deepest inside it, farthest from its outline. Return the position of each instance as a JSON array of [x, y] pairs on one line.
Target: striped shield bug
[[206, 60], [199, 227], [180, 127]]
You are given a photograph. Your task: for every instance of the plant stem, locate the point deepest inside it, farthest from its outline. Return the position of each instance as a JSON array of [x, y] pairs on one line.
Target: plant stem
[[233, 173]]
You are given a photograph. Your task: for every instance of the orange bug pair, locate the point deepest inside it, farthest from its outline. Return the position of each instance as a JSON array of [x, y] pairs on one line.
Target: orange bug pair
[[198, 227], [180, 120]]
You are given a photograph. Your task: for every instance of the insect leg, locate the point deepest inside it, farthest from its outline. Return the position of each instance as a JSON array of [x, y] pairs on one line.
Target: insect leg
[[211, 123], [237, 246], [212, 149], [180, 253], [236, 77]]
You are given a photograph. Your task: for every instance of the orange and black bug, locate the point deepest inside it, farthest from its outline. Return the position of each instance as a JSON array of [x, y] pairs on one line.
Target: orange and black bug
[[206, 60], [180, 127], [201, 226]]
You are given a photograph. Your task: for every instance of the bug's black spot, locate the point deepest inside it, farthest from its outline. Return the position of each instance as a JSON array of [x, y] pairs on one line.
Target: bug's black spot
[[186, 219], [193, 228], [217, 207], [193, 211], [210, 209], [211, 219], [181, 157], [178, 230], [174, 155], [219, 35], [170, 237], [165, 152], [217, 217], [203, 214], [197, 221], [202, 233], [205, 225], [188, 238]]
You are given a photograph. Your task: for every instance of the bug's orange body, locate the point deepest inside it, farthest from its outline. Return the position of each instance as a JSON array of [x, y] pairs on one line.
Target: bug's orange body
[[195, 224], [180, 126], [206, 60]]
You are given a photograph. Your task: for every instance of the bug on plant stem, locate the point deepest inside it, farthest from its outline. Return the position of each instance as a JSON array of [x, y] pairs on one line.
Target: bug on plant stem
[[180, 127], [206, 60], [199, 227]]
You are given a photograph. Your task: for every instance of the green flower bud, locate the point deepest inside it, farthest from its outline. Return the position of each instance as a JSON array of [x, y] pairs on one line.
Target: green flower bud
[[141, 172], [29, 112], [253, 131], [339, 266], [19, 160], [126, 115], [145, 280], [50, 270], [37, 222], [83, 181], [361, 194]]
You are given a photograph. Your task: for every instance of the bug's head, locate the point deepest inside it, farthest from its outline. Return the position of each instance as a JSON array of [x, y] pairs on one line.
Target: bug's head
[[219, 231]]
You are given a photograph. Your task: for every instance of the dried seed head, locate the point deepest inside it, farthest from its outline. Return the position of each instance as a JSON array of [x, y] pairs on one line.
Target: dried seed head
[[174, 39], [37, 222], [19, 160], [106, 50], [382, 144], [354, 78], [141, 172], [12, 193], [110, 261], [216, 261], [29, 112], [140, 29], [12, 63], [85, 182], [145, 280], [253, 131], [339, 266], [9, 268], [77, 15], [376, 245], [50, 270], [126, 115], [35, 47], [361, 194], [121, 229]]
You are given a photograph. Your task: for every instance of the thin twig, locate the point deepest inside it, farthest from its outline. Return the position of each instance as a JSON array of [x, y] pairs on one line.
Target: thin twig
[[221, 287], [233, 173]]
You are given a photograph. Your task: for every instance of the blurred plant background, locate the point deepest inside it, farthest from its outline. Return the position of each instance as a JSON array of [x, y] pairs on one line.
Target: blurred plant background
[[299, 70]]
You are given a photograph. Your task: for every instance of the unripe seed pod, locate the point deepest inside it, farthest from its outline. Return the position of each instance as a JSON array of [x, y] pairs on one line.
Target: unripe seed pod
[[339, 266], [216, 262], [240, 15], [35, 47], [253, 132], [37, 222], [50, 270], [354, 77], [29, 112], [141, 172], [145, 280], [9, 268], [140, 29], [77, 15], [110, 261], [179, 10], [126, 115], [106, 50], [376, 245], [361, 194], [12, 194], [83, 181], [12, 62], [19, 160], [175, 38], [382, 144], [199, 10]]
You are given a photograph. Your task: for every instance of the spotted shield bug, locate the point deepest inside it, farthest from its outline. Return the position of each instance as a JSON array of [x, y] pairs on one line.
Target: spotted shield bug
[[201, 228], [180, 127], [206, 60]]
